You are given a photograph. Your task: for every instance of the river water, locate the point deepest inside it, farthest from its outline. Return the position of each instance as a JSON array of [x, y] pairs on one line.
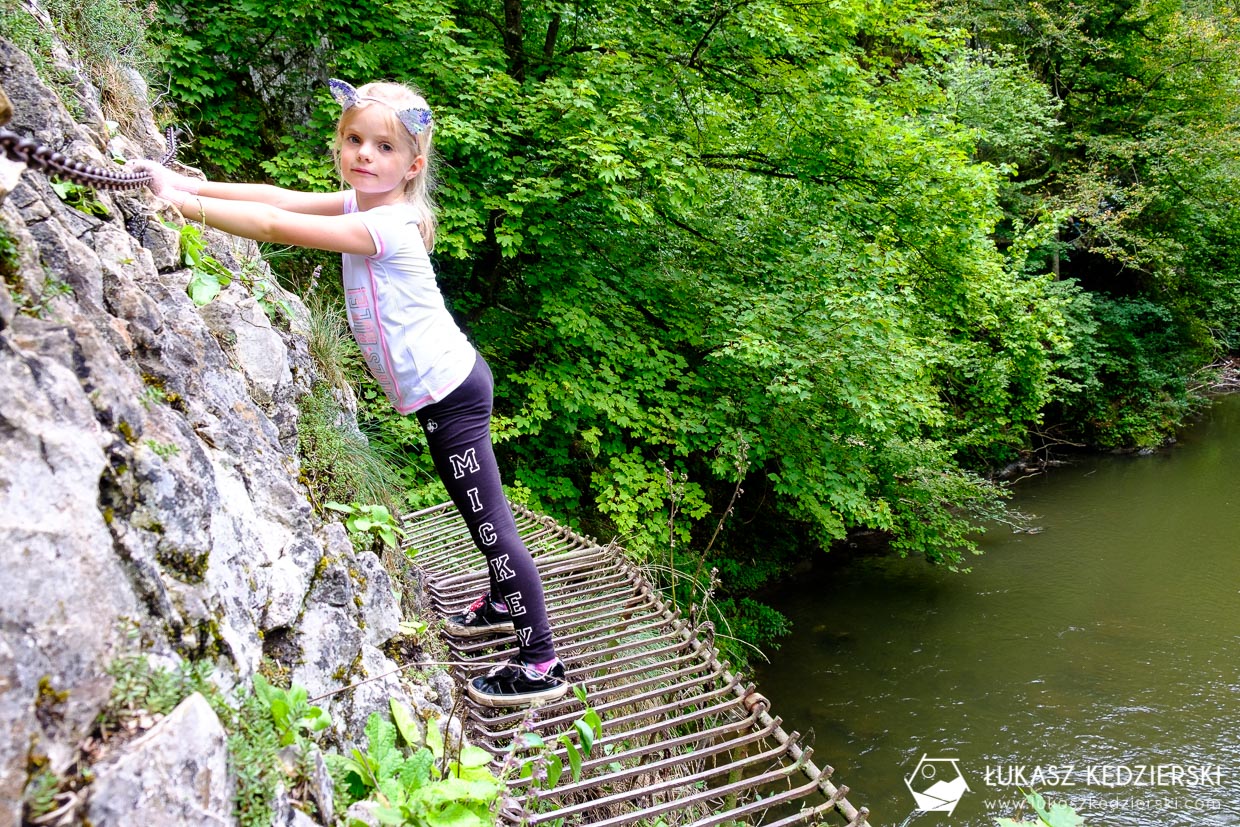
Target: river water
[[1107, 643]]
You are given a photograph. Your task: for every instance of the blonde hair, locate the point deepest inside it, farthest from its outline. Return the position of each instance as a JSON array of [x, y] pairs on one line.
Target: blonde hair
[[393, 97]]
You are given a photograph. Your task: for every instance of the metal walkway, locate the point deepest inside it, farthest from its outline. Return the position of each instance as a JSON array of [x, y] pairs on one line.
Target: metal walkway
[[685, 741]]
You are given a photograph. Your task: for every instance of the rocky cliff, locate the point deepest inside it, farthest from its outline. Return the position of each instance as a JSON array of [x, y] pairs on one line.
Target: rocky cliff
[[149, 494]]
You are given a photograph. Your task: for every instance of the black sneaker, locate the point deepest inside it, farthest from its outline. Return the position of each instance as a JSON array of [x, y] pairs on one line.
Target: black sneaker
[[519, 684], [481, 618]]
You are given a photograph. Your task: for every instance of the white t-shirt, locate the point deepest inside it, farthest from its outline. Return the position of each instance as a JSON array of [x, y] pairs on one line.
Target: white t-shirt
[[411, 343]]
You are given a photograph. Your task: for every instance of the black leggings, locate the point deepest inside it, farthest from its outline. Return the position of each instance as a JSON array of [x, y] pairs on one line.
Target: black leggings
[[458, 430]]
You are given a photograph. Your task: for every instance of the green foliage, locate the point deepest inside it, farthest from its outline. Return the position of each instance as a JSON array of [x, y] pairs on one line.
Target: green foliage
[[207, 276], [995, 93], [253, 747], [138, 687], [1128, 372], [1140, 178], [1056, 815], [101, 34], [39, 796], [38, 305], [9, 256], [426, 782], [152, 395], [263, 286], [367, 523], [413, 628], [164, 450], [81, 198], [874, 252], [542, 764], [290, 711]]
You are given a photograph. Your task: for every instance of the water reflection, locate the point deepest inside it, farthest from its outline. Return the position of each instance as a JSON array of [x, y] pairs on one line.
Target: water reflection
[[1108, 639]]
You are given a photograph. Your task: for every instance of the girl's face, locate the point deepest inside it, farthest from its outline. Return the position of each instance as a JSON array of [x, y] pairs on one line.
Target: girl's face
[[375, 159]]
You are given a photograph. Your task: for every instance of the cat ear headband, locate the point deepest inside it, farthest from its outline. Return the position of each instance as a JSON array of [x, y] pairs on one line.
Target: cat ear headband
[[415, 119]]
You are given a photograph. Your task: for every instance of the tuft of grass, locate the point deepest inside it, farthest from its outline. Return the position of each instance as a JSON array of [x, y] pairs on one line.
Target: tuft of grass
[[339, 464], [100, 33], [329, 340]]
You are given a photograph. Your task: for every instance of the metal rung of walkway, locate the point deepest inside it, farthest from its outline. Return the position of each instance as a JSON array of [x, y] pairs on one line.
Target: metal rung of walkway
[[685, 741]]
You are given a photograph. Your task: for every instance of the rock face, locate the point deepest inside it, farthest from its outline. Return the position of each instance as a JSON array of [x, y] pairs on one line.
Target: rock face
[[149, 489], [177, 773]]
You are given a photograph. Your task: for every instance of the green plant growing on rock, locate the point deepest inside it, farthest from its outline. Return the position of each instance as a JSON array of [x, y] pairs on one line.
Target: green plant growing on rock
[[424, 783], [164, 450], [139, 688], [207, 276], [81, 198], [259, 724], [38, 306], [39, 797], [100, 35], [291, 711], [152, 395], [338, 463], [9, 257], [262, 286], [368, 523]]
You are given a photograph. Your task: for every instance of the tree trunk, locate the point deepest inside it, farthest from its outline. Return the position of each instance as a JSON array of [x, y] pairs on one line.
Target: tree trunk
[[514, 39]]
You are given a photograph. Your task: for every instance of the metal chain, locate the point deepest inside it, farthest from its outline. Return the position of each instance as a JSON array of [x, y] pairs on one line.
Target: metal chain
[[40, 156]]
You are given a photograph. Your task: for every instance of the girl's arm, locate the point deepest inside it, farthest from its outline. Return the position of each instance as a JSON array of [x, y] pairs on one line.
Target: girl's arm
[[261, 221], [163, 181], [310, 203]]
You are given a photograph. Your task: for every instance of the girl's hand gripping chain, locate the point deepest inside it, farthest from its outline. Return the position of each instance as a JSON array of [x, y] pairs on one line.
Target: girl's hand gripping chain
[[165, 183]]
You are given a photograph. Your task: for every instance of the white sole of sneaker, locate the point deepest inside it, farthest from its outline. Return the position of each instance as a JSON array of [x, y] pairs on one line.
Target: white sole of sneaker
[[502, 701], [457, 630]]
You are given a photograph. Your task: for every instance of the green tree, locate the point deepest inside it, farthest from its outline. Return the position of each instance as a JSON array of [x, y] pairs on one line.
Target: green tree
[[1140, 183], [701, 245]]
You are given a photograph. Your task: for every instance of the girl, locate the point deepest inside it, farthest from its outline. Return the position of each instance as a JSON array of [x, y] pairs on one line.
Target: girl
[[384, 226]]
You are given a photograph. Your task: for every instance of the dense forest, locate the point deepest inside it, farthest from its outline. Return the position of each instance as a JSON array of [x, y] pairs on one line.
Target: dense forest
[[755, 276]]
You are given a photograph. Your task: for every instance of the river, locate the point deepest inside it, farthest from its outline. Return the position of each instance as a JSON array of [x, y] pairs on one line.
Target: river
[[1099, 656]]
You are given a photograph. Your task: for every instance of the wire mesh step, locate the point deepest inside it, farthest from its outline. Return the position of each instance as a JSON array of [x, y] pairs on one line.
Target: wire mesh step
[[684, 739]]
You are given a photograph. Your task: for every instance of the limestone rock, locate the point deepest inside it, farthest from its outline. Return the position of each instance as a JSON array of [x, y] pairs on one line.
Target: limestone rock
[[36, 109], [66, 589], [322, 790], [10, 173], [175, 774], [380, 609], [445, 689], [382, 684], [254, 344]]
